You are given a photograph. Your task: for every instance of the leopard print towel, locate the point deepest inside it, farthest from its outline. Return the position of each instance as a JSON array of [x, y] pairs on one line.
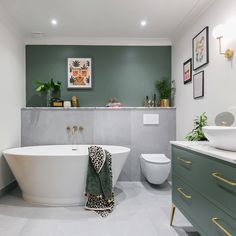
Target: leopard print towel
[[100, 159]]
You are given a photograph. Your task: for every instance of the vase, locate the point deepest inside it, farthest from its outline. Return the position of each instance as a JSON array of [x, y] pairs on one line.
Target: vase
[[48, 98], [164, 103]]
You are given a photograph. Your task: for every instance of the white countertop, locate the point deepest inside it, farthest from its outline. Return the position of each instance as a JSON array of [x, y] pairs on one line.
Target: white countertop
[[204, 148], [96, 108]]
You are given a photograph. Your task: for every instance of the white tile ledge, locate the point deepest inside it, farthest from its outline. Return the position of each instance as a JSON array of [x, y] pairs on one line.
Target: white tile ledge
[[97, 108], [205, 148]]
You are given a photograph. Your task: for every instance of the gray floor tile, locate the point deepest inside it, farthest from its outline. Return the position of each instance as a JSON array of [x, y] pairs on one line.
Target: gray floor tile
[[141, 209]]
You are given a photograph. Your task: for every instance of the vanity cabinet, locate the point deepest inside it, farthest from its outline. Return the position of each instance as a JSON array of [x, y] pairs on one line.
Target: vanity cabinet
[[204, 190]]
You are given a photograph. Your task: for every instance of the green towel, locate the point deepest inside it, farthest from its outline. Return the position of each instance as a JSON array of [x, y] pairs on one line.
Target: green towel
[[99, 181]]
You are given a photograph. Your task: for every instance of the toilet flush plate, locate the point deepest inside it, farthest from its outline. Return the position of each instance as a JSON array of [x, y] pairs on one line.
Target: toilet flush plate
[[150, 119]]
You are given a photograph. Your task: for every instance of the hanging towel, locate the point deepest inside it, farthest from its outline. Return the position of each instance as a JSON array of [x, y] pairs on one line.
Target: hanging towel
[[99, 191]]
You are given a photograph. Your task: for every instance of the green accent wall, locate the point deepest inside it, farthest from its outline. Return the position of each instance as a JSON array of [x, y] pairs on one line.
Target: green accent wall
[[125, 72]]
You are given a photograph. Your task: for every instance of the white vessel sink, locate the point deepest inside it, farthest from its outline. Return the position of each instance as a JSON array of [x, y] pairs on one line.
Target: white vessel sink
[[221, 137]]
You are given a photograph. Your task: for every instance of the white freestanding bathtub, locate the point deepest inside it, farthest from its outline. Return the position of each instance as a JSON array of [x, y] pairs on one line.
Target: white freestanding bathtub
[[55, 175]]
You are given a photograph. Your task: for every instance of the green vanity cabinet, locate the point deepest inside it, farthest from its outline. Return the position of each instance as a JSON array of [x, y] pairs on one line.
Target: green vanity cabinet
[[204, 190]]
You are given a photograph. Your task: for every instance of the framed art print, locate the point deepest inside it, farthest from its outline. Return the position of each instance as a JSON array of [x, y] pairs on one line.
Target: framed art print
[[200, 47], [79, 73], [187, 71], [198, 85]]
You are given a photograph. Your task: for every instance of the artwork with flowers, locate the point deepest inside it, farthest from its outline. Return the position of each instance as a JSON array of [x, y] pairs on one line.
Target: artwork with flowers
[[188, 71], [79, 73], [200, 49]]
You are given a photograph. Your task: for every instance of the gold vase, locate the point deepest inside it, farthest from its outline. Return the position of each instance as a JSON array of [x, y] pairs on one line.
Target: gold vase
[[164, 103]]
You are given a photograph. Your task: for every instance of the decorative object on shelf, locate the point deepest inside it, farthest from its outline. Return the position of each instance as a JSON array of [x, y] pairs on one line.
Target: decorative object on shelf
[[221, 31], [79, 73], [149, 102], [154, 103], [187, 70], [173, 90], [165, 89], [74, 101], [198, 85], [113, 102], [67, 103], [164, 103], [145, 103], [200, 47], [197, 134], [57, 102], [51, 89]]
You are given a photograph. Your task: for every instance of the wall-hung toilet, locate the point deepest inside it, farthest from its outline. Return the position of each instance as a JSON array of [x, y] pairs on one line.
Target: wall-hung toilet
[[155, 167]]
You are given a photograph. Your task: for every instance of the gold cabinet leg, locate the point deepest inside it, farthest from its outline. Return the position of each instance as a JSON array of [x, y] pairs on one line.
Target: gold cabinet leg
[[172, 214]]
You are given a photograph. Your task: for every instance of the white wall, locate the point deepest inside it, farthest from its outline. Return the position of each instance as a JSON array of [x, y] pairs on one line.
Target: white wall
[[220, 74], [12, 90]]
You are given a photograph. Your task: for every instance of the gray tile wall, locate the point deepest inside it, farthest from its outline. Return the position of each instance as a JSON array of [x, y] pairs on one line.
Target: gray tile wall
[[102, 126]]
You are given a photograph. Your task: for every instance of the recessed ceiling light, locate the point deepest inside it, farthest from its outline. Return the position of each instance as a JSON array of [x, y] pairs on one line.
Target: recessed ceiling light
[[54, 22], [143, 23]]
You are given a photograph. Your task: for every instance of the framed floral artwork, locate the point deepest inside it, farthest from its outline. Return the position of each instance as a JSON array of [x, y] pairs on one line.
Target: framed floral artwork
[[200, 47], [187, 70], [198, 85], [79, 73]]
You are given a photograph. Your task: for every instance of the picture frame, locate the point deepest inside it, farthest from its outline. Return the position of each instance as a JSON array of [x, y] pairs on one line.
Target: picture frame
[[187, 71], [198, 85], [79, 73], [200, 49]]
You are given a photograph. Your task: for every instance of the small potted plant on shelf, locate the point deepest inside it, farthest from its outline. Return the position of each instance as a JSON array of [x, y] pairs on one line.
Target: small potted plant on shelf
[[165, 89], [51, 89]]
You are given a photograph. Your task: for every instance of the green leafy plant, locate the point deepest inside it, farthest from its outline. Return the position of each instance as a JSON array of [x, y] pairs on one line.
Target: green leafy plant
[[164, 88], [53, 86], [197, 134]]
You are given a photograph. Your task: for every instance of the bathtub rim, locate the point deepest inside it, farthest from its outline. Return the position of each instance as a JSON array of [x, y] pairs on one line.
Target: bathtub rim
[[11, 151]]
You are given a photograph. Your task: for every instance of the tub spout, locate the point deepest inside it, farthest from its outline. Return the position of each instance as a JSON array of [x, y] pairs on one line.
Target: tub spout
[[74, 129]]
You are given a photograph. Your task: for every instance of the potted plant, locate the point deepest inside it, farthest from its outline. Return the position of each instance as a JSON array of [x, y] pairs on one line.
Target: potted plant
[[164, 88], [197, 134], [51, 89]]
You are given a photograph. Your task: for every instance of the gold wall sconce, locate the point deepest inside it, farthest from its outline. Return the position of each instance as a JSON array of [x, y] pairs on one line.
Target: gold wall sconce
[[219, 32]]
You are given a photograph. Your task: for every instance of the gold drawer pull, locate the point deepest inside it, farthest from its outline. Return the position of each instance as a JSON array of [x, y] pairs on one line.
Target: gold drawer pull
[[184, 161], [214, 220], [216, 175], [180, 190]]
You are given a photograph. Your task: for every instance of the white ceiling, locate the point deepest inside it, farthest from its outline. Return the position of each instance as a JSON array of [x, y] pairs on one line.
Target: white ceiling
[[102, 18]]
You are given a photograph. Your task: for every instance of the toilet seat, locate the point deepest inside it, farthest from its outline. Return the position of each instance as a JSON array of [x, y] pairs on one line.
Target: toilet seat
[[156, 158]]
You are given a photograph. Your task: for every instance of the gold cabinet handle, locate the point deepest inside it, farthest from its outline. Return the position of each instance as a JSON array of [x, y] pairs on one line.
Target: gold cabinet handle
[[215, 221], [217, 176], [180, 190], [184, 161]]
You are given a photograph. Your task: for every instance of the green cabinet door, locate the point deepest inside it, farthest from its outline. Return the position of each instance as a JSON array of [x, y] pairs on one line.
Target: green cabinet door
[[206, 217], [213, 178]]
